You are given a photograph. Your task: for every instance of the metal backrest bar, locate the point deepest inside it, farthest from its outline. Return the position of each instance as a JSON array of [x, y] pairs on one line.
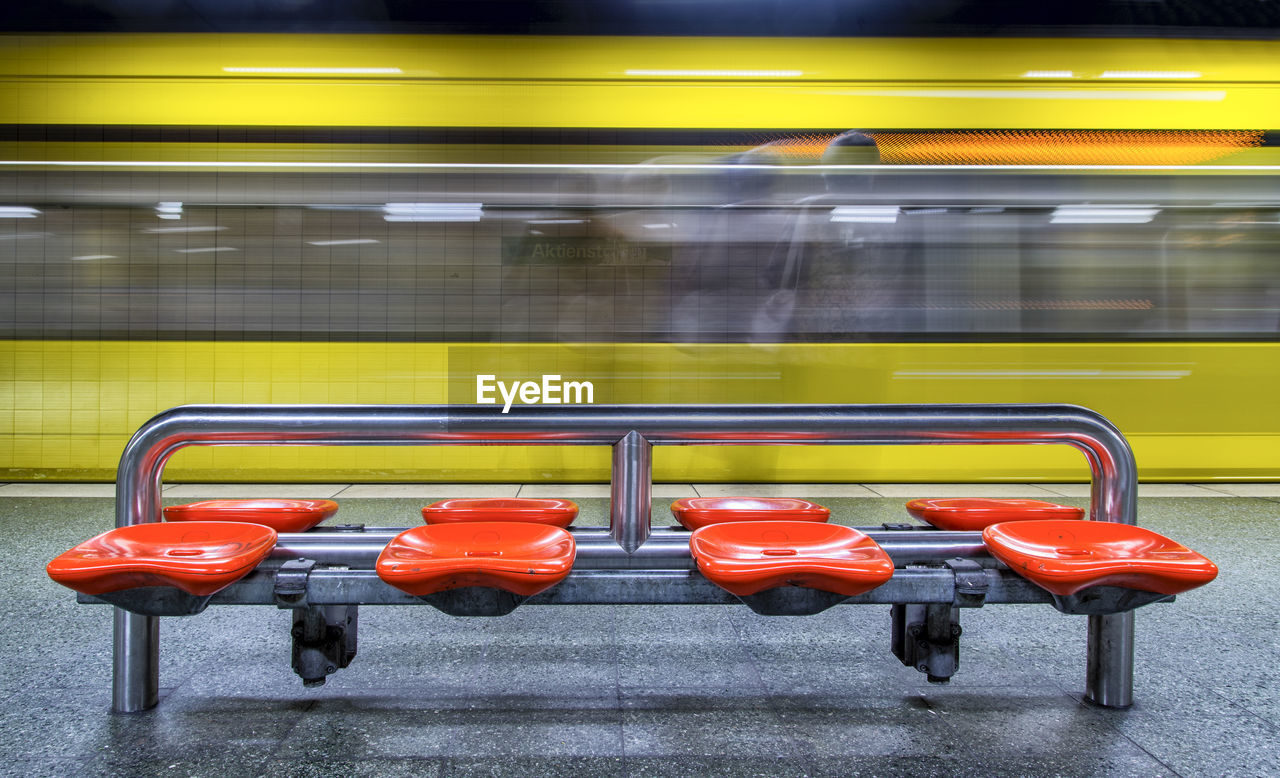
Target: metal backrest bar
[[632, 430]]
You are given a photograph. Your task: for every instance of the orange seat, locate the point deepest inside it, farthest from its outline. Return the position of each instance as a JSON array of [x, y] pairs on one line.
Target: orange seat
[[197, 559], [1070, 559], [972, 514], [758, 561], [279, 515], [696, 512], [555, 513], [520, 559]]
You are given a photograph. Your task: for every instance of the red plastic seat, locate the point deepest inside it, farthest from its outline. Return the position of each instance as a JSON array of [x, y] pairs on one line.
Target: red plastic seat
[[199, 558], [520, 558], [555, 513], [1067, 557], [972, 514], [751, 557], [696, 512], [279, 515]]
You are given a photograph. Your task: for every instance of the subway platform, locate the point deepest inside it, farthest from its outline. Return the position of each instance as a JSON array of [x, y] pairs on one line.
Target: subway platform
[[647, 690]]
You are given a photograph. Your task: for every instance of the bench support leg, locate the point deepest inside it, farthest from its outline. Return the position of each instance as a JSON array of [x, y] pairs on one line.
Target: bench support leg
[[1110, 675], [324, 640], [927, 637], [136, 662]]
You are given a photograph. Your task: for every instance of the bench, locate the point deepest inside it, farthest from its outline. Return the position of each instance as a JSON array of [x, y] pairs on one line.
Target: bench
[[486, 558]]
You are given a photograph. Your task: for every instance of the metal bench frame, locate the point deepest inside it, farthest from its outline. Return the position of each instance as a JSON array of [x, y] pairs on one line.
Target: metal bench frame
[[630, 562]]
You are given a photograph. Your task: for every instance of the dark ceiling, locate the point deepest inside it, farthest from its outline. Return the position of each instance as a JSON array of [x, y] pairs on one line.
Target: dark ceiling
[[1165, 18]]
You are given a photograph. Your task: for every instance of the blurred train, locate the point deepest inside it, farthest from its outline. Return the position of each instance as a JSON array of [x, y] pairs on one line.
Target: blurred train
[[346, 218]]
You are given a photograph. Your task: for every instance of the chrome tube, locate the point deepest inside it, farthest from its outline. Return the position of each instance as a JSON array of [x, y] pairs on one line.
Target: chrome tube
[[612, 586], [1110, 674], [631, 430], [1110, 459], [629, 489], [665, 549], [135, 684]]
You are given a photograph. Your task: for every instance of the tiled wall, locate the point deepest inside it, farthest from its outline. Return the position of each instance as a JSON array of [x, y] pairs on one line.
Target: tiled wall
[[67, 408]]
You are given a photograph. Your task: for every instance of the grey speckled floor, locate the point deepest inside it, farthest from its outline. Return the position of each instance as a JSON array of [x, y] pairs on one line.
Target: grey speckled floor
[[662, 691]]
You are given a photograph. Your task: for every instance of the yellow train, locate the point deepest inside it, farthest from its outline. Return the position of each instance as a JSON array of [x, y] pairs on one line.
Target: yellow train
[[345, 218]]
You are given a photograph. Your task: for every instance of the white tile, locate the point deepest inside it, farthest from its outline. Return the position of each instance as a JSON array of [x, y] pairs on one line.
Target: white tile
[[255, 491], [1246, 490], [912, 491], [1068, 490], [1177, 490], [58, 490], [568, 491], [673, 490], [783, 490], [1153, 490], [430, 491]]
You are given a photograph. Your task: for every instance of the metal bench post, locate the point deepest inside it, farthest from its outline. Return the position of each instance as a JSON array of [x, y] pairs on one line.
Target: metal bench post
[[136, 662]]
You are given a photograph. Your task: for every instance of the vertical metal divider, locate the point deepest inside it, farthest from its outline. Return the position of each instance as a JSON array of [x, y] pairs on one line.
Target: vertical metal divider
[[630, 488]]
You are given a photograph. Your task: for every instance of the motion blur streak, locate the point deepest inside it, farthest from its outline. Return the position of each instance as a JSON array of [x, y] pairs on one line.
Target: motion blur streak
[[1063, 147], [381, 218]]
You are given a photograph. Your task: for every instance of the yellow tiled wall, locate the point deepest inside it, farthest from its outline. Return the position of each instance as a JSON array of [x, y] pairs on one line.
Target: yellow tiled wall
[[1192, 411]]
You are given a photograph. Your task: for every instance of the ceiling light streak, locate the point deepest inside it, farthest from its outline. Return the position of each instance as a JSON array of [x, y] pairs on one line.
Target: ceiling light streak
[[865, 214], [1094, 214], [715, 73], [165, 230], [316, 71], [1183, 95], [432, 212], [1150, 74], [26, 235], [1150, 375]]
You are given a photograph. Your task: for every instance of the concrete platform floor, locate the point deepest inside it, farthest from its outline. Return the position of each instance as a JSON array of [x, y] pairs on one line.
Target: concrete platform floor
[[639, 690]]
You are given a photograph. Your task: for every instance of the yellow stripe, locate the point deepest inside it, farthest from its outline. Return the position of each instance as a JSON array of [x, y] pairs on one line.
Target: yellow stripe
[[532, 58], [278, 157], [584, 82], [1194, 411], [321, 154]]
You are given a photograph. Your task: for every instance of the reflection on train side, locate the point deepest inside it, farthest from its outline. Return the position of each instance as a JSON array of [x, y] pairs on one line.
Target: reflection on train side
[[759, 254]]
